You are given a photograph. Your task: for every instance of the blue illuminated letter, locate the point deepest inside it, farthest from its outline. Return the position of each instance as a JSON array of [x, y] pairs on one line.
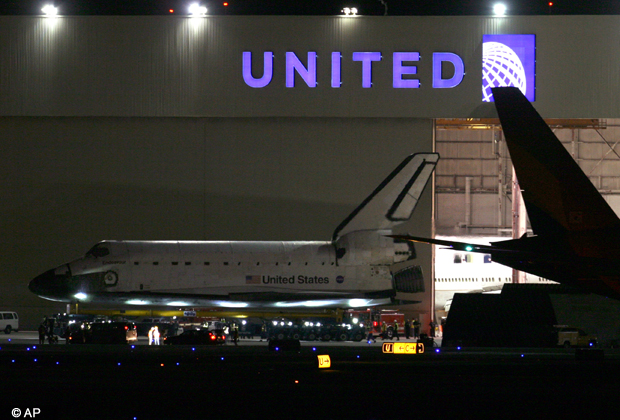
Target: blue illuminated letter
[[267, 70], [366, 58], [459, 70], [400, 70], [293, 63], [336, 58]]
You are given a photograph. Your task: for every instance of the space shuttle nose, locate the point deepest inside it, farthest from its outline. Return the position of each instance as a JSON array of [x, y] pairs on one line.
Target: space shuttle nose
[[37, 285], [44, 285]]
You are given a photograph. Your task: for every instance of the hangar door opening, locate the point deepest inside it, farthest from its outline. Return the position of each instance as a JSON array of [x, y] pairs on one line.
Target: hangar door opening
[[474, 194]]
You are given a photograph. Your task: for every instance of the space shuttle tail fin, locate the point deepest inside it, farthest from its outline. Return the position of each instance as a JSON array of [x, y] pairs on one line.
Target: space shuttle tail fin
[[394, 200]]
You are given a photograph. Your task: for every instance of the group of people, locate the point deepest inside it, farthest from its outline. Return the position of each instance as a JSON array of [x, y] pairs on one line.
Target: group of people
[[154, 335], [46, 330]]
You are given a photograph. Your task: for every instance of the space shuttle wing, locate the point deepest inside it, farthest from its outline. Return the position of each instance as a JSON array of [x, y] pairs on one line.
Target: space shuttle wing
[[394, 200]]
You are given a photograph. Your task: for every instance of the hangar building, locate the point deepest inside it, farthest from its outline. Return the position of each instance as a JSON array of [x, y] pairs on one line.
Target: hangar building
[[272, 128]]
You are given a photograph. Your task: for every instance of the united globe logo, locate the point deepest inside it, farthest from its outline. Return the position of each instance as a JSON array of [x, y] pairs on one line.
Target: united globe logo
[[501, 66], [509, 60]]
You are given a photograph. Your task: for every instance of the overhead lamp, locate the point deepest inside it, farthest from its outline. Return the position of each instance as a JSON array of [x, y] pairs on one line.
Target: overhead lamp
[[350, 11], [197, 10], [499, 9], [80, 296], [49, 10]]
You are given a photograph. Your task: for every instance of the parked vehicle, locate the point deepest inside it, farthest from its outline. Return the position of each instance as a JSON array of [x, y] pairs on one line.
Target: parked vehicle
[[122, 332], [197, 337], [9, 321], [574, 337]]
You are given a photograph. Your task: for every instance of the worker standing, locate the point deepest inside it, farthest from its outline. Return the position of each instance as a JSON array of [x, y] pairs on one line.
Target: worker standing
[[235, 333], [42, 331], [407, 328], [416, 329], [370, 335], [156, 335]]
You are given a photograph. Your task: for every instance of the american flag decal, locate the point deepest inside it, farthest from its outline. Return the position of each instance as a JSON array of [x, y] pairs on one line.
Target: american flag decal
[[252, 279]]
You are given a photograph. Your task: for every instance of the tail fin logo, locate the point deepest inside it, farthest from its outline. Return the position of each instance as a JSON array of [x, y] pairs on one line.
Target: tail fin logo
[[509, 60]]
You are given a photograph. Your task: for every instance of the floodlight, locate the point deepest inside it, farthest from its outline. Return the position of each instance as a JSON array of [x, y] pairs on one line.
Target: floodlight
[[197, 10], [350, 11], [499, 9], [49, 10]]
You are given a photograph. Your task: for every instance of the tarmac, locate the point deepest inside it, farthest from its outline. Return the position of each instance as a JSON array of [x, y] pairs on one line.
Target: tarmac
[[250, 381]]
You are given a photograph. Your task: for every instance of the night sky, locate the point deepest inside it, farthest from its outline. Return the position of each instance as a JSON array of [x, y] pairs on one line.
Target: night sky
[[309, 7]]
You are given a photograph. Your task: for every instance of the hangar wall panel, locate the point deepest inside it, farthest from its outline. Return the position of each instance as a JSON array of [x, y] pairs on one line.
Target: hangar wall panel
[[181, 66]]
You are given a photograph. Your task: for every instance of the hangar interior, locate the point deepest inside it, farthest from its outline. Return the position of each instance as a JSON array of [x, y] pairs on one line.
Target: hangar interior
[[473, 194], [474, 176]]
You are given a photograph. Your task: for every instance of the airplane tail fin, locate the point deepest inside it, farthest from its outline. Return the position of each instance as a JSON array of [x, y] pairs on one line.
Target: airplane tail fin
[[394, 200], [558, 196]]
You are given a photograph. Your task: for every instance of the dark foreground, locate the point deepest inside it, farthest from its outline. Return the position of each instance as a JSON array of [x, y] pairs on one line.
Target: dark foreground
[[118, 382]]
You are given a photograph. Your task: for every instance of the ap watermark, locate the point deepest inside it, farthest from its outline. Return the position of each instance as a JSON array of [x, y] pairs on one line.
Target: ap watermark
[[26, 413]]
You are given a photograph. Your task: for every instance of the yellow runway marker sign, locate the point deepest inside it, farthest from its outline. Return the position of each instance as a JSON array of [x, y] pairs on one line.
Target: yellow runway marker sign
[[403, 348], [324, 361]]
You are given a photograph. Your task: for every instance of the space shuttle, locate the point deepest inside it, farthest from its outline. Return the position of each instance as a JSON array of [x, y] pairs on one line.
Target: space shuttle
[[353, 269], [576, 232]]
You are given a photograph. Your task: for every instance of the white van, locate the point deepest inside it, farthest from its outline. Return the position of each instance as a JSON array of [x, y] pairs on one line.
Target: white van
[[9, 321]]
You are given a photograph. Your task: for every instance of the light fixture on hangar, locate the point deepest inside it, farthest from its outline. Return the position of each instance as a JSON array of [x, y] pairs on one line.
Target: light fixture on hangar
[[196, 10]]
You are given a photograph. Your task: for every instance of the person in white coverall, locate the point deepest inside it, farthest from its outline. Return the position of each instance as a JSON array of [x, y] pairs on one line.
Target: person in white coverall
[[156, 335]]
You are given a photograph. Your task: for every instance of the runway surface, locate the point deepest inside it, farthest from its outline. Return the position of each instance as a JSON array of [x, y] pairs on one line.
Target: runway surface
[[249, 381]]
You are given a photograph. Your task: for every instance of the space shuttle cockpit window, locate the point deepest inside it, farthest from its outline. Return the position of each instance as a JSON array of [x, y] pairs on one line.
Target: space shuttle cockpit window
[[99, 250]]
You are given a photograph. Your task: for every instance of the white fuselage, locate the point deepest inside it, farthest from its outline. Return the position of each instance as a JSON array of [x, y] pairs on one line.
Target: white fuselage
[[213, 268], [352, 272]]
